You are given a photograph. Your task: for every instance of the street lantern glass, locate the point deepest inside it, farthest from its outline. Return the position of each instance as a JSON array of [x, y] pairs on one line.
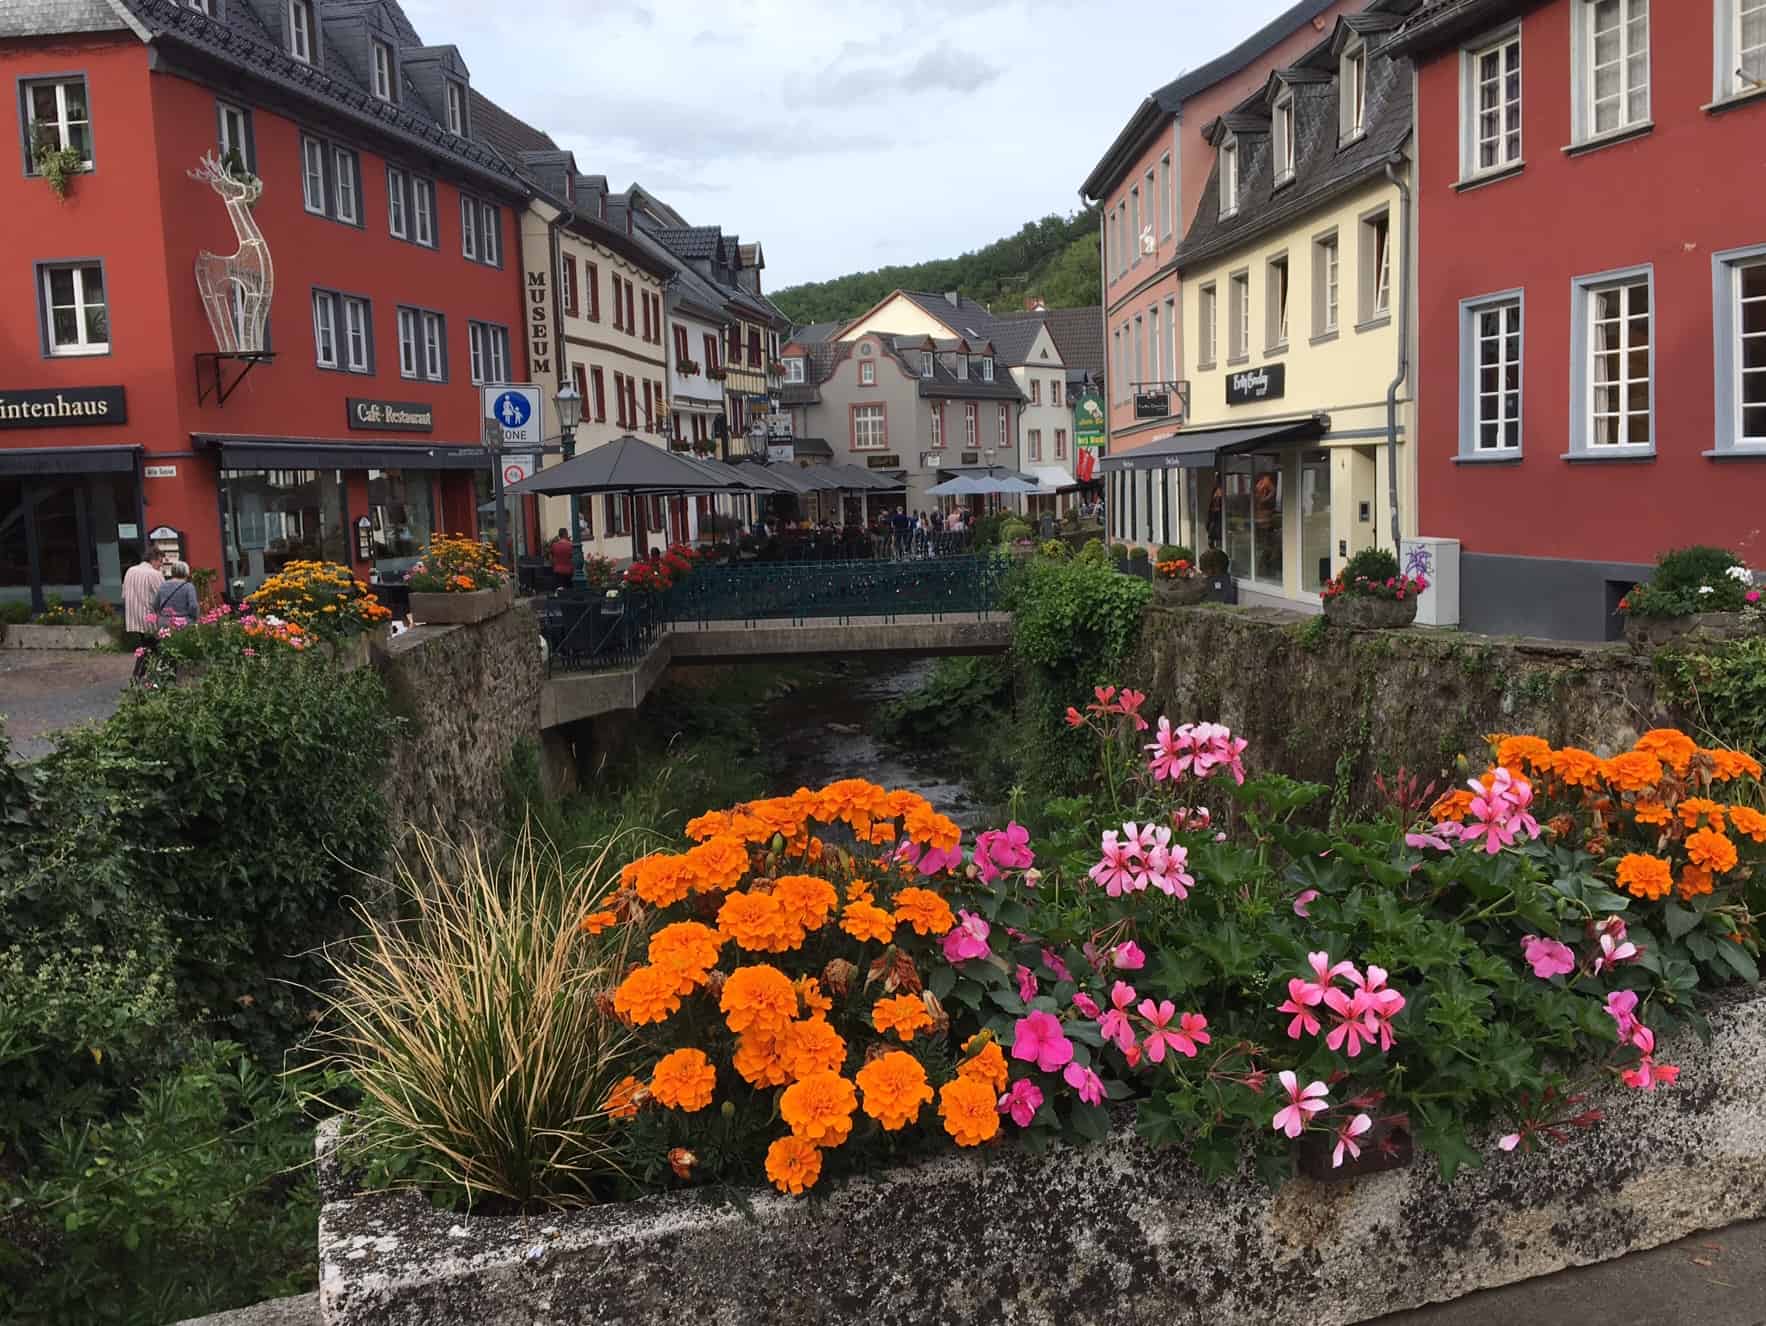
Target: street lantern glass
[[570, 408]]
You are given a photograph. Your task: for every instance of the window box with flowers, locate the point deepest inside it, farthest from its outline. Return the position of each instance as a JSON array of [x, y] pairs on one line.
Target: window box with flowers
[[1694, 594], [686, 367], [717, 373], [1372, 594], [775, 368], [1177, 581], [458, 581]]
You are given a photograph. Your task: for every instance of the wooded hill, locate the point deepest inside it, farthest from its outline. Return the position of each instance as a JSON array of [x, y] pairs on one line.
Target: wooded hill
[[1056, 258]]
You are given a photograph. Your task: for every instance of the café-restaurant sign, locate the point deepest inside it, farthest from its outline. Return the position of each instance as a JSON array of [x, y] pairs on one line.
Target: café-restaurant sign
[[391, 416], [61, 407], [1257, 384]]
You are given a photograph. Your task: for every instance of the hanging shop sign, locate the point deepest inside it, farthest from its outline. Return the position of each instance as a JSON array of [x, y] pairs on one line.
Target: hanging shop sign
[[1268, 383], [61, 407], [888, 462], [391, 416], [1152, 405]]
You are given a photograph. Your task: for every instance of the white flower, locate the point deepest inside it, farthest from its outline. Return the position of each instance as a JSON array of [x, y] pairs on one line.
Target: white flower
[[1742, 574], [1705, 589]]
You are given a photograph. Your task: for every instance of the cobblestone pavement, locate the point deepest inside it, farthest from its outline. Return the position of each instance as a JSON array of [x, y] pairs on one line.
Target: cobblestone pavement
[[42, 690]]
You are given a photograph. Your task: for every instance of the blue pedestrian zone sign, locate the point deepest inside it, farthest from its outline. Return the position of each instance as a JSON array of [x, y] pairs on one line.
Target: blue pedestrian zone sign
[[512, 410], [515, 412]]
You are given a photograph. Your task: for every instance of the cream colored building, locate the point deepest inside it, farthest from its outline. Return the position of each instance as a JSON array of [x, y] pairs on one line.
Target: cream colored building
[[1294, 280]]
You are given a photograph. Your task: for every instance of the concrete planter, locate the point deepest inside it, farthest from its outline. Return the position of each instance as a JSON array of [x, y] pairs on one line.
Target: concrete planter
[[1646, 633], [1115, 1233], [461, 609], [59, 637], [1369, 614], [1181, 593]]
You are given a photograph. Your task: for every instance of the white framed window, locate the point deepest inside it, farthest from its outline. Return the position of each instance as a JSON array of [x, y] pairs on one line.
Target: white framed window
[[382, 70], [488, 352], [1284, 138], [793, 369], [1207, 315], [1275, 278], [423, 212], [867, 373], [938, 426], [408, 343], [1739, 321], [1375, 267], [357, 338], [927, 360], [76, 318], [397, 204], [1610, 68], [456, 108], [324, 329], [1739, 46], [1134, 223], [1165, 208], [343, 185], [1060, 444], [1140, 354], [971, 425], [1239, 318], [868, 433], [435, 347], [1229, 178], [1490, 368], [987, 368], [233, 134], [1352, 78], [490, 241], [1005, 429], [1158, 358], [300, 30], [1035, 444], [312, 175], [1612, 350], [1326, 284], [1491, 116], [469, 228], [57, 116], [962, 368]]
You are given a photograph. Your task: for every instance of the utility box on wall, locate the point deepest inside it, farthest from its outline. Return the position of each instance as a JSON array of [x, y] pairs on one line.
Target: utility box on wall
[[1439, 605]]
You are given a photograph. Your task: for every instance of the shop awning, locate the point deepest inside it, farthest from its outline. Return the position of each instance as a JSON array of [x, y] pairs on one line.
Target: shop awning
[[625, 465], [811, 446], [69, 460], [261, 453], [1198, 448], [1053, 479], [856, 479]]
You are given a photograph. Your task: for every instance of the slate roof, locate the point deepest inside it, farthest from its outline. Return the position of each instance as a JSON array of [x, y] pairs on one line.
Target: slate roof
[[1078, 333], [511, 136], [1435, 23], [45, 18], [1011, 338], [1322, 169], [944, 382], [691, 241], [815, 331]]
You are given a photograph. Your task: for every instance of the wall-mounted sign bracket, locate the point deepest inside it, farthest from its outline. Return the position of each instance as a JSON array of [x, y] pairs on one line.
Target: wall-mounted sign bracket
[[211, 375]]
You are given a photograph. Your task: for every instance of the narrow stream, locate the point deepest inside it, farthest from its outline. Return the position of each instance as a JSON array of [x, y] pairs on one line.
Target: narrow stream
[[825, 735]]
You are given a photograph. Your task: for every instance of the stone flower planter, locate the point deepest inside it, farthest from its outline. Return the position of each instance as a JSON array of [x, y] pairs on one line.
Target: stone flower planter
[[1647, 633], [1181, 593], [461, 609], [59, 637], [1369, 614], [1112, 1233]]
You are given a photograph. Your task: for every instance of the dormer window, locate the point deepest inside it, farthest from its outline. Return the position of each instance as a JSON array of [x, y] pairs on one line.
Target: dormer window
[[300, 30], [201, 6], [987, 368], [793, 367], [1284, 138], [1353, 75], [382, 71], [962, 368], [1229, 178], [456, 109], [926, 360]]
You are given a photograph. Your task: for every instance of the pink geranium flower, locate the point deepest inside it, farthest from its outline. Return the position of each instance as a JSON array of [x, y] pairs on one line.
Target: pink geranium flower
[[1189, 1033], [1346, 1135], [1127, 956], [1622, 1006], [967, 939], [1614, 947], [1026, 983], [1115, 1026], [1548, 957], [1121, 868], [1324, 974], [1038, 1039], [1356, 1023], [1303, 902], [1173, 752], [1303, 1103], [1003, 849], [1087, 1083], [1648, 1075], [1166, 869], [1087, 1006], [1297, 1004], [1130, 707], [1021, 1102]]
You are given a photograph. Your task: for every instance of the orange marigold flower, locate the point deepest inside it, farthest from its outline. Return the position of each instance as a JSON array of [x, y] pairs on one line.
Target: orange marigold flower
[[807, 901], [1669, 745], [648, 995], [595, 922], [1577, 767], [810, 999], [622, 1102], [688, 949], [1731, 764], [757, 922], [986, 1065], [811, 1046], [660, 879], [758, 1061], [967, 1108], [895, 1088], [709, 825], [866, 920], [819, 1108], [926, 911], [1634, 771], [1694, 880], [716, 865], [1454, 805], [1652, 812], [793, 1165], [1694, 807], [1712, 850], [1523, 752], [1645, 876], [683, 1080], [1749, 822], [758, 998], [903, 1014]]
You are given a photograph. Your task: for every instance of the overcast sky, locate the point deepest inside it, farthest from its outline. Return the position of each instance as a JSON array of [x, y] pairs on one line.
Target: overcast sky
[[842, 135]]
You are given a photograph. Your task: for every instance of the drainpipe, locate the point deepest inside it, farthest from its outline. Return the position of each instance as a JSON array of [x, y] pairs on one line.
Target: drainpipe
[[1393, 174], [1104, 313]]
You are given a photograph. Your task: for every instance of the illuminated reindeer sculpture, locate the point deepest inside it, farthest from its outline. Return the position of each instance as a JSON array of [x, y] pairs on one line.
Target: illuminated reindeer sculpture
[[236, 288]]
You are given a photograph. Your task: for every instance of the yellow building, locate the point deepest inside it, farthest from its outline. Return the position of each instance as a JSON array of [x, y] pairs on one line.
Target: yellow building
[[1293, 299]]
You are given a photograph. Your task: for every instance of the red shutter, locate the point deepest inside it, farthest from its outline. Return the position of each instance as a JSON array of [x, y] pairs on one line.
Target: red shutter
[[594, 301], [629, 319], [582, 387], [600, 396], [649, 404], [680, 344]]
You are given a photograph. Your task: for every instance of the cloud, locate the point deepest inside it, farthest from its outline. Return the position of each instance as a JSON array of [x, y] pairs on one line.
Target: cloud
[[938, 71], [670, 131]]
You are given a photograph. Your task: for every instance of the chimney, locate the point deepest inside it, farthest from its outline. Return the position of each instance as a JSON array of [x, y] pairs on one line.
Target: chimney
[[953, 298]]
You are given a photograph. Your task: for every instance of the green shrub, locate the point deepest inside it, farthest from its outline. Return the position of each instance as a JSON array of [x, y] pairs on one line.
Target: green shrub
[[947, 704], [15, 612], [1093, 551], [1175, 552], [1119, 551], [1058, 549], [1725, 686], [90, 611], [1137, 554], [1376, 564], [985, 531], [1690, 580], [1214, 562], [1014, 531]]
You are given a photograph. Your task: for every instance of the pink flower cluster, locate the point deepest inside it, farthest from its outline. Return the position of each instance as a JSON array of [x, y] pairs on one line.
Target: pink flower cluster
[[1302, 1102], [1166, 1031], [1109, 701], [1648, 1074], [1550, 957], [1195, 750], [1498, 815], [967, 939], [1039, 1040], [999, 850], [1140, 857], [930, 860], [1363, 1010]]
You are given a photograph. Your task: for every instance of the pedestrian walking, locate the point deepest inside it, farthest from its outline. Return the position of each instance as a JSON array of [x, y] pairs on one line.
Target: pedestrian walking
[[176, 604], [563, 553], [140, 586]]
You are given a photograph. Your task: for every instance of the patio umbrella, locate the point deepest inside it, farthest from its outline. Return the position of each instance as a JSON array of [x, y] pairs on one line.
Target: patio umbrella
[[625, 465], [960, 485]]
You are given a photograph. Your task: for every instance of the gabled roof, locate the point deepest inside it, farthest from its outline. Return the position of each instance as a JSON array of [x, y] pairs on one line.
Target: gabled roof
[[511, 136], [815, 332], [1078, 333], [692, 241], [48, 18]]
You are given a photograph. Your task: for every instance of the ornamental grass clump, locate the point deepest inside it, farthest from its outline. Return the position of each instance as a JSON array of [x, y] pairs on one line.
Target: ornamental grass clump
[[480, 1030]]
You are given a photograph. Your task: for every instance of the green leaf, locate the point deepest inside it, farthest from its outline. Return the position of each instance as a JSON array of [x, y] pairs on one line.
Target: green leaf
[[943, 980], [1447, 1140], [1091, 1122], [1680, 919], [1740, 959]]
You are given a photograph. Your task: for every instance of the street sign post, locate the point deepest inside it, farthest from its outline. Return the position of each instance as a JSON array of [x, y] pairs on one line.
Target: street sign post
[[512, 418]]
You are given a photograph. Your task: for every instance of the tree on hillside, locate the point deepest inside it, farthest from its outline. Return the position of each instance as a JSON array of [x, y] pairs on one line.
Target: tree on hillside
[[1056, 257]]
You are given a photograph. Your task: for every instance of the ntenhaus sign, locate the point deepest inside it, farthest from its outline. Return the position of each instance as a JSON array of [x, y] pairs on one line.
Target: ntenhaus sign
[[59, 407]]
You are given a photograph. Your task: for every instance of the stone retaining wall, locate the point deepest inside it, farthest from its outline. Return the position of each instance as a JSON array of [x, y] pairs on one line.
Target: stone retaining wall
[[1114, 1234]]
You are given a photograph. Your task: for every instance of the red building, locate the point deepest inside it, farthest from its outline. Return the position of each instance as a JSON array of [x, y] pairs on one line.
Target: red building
[[389, 217], [1591, 196]]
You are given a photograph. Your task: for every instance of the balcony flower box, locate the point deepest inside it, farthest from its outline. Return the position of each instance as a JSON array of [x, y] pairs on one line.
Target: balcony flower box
[[687, 367], [716, 374], [459, 609]]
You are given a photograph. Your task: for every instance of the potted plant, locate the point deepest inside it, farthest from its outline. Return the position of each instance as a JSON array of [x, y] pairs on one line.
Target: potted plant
[[1699, 590], [1372, 592], [327, 602], [55, 163], [1177, 578], [1119, 555], [457, 581], [1140, 563], [686, 367]]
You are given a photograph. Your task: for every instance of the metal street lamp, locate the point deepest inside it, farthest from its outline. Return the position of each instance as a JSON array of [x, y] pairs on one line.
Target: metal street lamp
[[570, 413]]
